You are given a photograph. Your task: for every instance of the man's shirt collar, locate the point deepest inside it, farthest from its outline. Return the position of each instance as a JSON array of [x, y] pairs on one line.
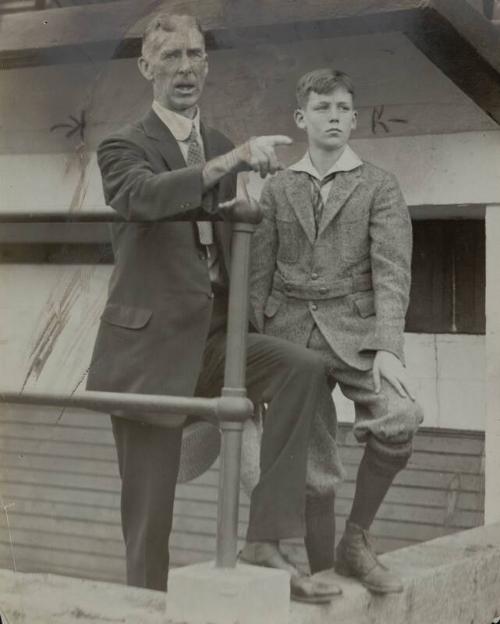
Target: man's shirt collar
[[348, 161], [178, 125]]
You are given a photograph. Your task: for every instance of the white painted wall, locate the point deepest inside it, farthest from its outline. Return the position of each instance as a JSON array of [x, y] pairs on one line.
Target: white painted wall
[[49, 316], [449, 375], [446, 169], [48, 320], [458, 168]]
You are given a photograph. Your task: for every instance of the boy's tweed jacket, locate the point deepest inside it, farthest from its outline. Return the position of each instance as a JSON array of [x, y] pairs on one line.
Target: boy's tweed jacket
[[352, 280]]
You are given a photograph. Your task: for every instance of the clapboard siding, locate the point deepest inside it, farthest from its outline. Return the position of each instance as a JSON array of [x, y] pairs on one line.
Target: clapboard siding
[[59, 488]]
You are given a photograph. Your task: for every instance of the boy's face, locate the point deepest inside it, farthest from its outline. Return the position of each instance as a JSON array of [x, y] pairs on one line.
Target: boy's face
[[328, 119]]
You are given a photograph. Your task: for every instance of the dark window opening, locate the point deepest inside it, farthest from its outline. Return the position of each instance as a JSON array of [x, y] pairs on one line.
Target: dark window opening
[[448, 277]]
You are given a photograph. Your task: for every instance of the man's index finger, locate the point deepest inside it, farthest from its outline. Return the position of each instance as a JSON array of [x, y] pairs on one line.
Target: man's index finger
[[280, 139]]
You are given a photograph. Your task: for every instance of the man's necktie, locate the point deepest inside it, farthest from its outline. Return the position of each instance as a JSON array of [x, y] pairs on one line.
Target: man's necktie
[[195, 153], [317, 198], [205, 228], [195, 157]]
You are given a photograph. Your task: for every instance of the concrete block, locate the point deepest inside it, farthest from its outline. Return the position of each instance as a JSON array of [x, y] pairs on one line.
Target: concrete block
[[204, 594], [451, 579]]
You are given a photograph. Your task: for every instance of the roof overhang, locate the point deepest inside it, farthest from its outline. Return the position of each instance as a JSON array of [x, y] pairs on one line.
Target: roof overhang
[[457, 38]]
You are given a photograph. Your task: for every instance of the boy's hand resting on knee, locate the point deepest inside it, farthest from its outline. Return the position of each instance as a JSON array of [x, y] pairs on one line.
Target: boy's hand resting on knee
[[390, 367]]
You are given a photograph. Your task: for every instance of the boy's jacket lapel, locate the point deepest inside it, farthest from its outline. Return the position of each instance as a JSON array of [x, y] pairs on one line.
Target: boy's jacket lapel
[[343, 185], [299, 196]]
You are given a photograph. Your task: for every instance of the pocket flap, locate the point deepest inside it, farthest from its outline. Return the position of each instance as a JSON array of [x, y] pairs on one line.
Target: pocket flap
[[126, 316], [365, 305], [271, 307]]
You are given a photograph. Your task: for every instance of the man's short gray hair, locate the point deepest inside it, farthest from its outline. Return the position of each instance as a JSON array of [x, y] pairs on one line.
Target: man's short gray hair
[[167, 23]]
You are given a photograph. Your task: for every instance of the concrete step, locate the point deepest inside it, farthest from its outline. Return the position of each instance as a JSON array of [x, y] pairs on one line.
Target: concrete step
[[453, 579]]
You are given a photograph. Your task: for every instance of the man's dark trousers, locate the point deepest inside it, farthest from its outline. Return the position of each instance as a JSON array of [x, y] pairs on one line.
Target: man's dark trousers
[[291, 380]]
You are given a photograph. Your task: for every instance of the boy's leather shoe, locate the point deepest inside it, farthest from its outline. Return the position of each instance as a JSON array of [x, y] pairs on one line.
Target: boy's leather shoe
[[355, 557]]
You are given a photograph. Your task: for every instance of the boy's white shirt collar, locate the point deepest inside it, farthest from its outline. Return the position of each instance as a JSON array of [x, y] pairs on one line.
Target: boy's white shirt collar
[[348, 161], [178, 125]]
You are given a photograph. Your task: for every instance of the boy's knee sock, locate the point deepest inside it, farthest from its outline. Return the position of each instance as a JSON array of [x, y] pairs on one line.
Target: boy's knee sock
[[377, 470], [320, 532]]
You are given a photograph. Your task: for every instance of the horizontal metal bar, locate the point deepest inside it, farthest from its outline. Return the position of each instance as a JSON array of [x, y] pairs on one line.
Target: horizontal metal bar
[[241, 212], [82, 216], [57, 216], [115, 401], [165, 408]]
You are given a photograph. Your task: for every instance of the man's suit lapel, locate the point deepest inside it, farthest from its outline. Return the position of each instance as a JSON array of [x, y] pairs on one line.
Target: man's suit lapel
[[156, 130], [299, 196], [343, 185], [223, 229]]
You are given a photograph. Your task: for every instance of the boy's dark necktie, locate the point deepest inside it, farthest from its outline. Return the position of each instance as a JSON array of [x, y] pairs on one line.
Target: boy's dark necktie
[[317, 198]]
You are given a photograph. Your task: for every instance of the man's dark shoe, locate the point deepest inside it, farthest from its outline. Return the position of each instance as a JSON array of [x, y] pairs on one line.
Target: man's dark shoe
[[302, 587], [355, 557]]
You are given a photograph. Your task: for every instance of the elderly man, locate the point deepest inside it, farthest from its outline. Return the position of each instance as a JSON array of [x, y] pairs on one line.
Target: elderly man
[[162, 330]]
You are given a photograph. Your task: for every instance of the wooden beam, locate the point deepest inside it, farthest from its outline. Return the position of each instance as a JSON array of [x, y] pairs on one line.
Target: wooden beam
[[222, 39], [446, 212], [459, 56], [112, 30], [108, 27], [491, 9], [474, 27]]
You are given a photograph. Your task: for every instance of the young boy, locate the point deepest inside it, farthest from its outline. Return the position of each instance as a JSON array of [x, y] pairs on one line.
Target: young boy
[[331, 271]]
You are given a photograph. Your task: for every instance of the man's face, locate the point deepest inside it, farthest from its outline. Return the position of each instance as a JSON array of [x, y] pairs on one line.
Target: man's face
[[328, 119], [176, 64]]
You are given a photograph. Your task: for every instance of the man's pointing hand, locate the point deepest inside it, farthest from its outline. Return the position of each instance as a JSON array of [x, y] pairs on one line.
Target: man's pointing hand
[[258, 154]]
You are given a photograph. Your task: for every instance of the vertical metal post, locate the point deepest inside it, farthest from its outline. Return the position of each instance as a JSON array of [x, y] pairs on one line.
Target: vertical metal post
[[234, 385]]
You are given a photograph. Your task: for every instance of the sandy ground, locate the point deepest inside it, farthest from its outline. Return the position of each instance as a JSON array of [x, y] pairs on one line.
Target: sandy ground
[[49, 599]]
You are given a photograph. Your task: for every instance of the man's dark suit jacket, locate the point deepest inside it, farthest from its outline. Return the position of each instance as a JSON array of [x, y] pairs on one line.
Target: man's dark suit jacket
[[157, 317]]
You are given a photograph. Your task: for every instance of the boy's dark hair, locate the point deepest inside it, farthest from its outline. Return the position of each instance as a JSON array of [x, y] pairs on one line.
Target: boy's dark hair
[[322, 81], [166, 22]]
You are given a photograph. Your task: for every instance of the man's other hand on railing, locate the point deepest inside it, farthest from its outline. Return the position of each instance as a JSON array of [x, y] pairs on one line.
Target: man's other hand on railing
[[241, 210]]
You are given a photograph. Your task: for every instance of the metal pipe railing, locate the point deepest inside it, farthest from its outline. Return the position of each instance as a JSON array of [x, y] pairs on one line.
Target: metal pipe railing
[[59, 216], [153, 407], [229, 410]]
